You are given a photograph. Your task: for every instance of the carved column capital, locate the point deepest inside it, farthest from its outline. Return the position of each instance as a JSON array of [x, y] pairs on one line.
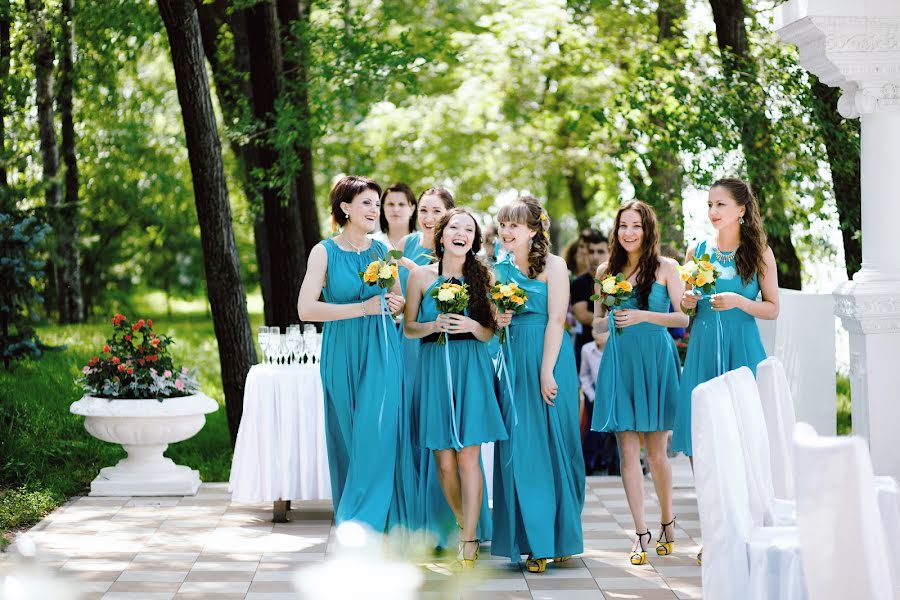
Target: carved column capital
[[868, 307]]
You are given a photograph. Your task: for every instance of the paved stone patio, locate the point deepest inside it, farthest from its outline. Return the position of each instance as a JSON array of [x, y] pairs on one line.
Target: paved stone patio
[[207, 547]]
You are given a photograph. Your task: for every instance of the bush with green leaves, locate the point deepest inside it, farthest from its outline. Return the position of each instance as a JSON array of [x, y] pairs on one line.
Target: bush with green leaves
[[21, 274]]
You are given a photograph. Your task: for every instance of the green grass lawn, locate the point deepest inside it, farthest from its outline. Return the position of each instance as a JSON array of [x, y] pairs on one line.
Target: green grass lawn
[[47, 456]]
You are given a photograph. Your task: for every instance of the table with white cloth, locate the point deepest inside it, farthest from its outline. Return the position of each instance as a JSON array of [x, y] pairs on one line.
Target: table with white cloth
[[280, 453]]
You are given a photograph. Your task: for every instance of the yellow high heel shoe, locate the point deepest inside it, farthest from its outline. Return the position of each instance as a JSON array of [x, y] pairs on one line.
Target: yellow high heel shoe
[[561, 559], [535, 565], [665, 548], [639, 554], [468, 563]]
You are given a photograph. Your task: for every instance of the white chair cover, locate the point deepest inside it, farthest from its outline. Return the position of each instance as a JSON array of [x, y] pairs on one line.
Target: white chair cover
[[721, 492], [778, 408], [755, 443], [840, 527], [740, 561], [888, 494]]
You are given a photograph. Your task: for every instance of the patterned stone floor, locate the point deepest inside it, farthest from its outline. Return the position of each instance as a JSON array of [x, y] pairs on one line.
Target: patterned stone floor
[[207, 547]]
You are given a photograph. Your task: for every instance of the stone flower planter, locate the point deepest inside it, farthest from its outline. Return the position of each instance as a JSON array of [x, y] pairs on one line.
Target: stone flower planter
[[145, 428]]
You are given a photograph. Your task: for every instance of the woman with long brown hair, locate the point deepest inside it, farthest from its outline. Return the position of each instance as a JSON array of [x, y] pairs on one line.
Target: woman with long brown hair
[[455, 386], [637, 383], [539, 472]]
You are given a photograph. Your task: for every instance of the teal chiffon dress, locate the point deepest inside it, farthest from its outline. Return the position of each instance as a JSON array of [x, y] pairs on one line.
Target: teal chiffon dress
[[456, 389], [720, 341], [363, 387], [539, 471], [637, 382]]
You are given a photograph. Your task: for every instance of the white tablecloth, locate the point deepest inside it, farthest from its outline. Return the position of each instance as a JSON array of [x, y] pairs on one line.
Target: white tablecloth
[[280, 450]]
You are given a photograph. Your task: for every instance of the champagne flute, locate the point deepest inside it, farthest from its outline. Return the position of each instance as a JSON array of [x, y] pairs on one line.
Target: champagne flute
[[262, 336], [274, 344]]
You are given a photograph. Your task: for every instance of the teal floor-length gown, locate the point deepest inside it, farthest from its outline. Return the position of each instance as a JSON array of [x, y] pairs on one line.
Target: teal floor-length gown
[[539, 474], [363, 386], [637, 382], [720, 341]]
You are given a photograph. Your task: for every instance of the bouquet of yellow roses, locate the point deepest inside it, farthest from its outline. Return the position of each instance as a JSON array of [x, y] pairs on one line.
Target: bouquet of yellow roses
[[507, 296], [451, 298], [614, 290], [701, 275], [383, 273]]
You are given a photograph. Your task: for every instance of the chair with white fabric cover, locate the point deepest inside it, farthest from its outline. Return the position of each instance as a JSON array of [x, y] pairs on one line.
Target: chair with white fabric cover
[[754, 442], [778, 409], [840, 527], [740, 560]]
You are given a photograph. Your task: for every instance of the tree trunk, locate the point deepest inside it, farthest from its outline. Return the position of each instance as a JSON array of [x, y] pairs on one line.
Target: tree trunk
[[287, 251], [6, 203], [67, 235], [756, 138], [235, 97], [666, 191], [225, 289], [841, 137], [579, 202], [291, 14], [43, 70]]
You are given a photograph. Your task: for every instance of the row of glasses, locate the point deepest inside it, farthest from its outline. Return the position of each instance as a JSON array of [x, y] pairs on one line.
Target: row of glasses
[[295, 346]]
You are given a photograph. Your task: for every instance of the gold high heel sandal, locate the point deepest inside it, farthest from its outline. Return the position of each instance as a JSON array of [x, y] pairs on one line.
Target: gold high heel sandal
[[535, 565], [468, 563], [665, 548], [639, 554], [561, 559]]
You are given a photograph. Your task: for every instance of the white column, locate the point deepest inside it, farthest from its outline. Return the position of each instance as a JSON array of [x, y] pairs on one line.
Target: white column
[[856, 46]]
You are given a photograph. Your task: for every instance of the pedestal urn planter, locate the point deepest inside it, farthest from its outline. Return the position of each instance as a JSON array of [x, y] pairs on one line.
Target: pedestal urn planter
[[145, 428]]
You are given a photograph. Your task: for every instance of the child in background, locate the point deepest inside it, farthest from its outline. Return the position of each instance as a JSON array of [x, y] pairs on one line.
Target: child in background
[[600, 451]]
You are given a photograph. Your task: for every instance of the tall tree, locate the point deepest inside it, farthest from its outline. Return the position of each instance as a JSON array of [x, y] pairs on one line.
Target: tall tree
[[228, 52], [294, 17], [281, 210], [841, 137], [5, 51], [69, 258], [224, 285], [44, 84], [763, 168]]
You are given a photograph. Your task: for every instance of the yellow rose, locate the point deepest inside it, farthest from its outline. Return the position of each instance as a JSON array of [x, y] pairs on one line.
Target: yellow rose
[[497, 296], [371, 274], [514, 285], [518, 300], [684, 274], [445, 295], [702, 279], [625, 286], [385, 272], [608, 285], [506, 291], [706, 265]]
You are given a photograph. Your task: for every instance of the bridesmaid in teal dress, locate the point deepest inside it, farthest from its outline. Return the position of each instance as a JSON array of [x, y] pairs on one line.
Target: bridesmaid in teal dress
[[539, 472], [456, 388], [360, 358], [724, 335], [637, 382], [398, 215]]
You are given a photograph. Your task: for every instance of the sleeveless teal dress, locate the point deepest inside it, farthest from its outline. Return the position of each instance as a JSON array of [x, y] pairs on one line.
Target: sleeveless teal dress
[[720, 341], [471, 415], [363, 386], [539, 472], [637, 382]]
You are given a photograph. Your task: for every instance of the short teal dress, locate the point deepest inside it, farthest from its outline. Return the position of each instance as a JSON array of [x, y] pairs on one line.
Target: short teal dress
[[539, 472], [363, 387], [720, 341], [637, 382], [470, 415]]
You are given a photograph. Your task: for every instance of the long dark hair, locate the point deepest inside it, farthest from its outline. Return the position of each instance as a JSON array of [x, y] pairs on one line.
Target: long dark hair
[[410, 199], [476, 274], [528, 211], [749, 256], [648, 263]]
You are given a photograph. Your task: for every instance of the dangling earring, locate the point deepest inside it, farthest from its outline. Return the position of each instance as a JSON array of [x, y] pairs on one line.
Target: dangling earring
[[473, 251], [741, 220], [442, 246]]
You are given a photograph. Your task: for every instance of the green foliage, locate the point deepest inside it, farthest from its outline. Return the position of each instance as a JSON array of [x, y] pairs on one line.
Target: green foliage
[[21, 274], [23, 506], [844, 417]]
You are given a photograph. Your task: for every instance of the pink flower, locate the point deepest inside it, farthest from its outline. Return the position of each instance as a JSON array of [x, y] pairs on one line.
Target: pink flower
[[179, 384], [86, 370], [167, 373], [184, 370]]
